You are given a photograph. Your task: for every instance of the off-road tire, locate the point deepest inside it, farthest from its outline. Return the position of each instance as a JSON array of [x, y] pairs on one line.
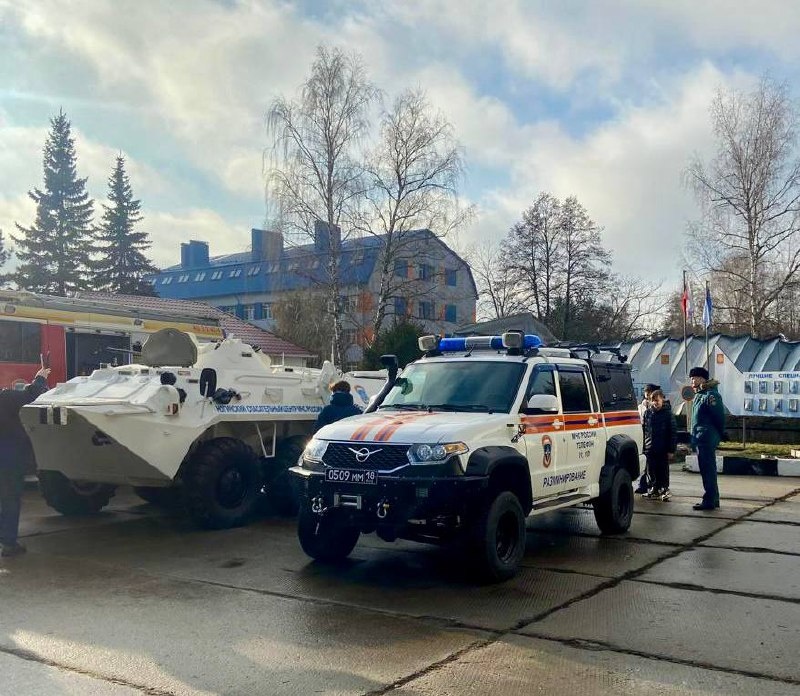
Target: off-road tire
[[222, 480], [325, 538], [160, 497], [281, 492], [73, 497], [498, 537], [613, 510]]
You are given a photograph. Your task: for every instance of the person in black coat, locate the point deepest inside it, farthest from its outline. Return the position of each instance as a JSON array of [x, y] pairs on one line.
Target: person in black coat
[[16, 452], [660, 442], [341, 405]]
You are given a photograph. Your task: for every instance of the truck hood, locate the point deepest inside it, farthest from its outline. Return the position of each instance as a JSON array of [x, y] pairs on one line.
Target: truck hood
[[404, 427]]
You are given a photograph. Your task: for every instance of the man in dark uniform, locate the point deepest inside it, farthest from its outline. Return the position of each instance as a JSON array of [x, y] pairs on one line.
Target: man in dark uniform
[[708, 428], [15, 454]]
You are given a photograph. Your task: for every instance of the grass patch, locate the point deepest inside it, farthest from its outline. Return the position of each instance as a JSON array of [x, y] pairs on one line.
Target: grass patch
[[754, 450]]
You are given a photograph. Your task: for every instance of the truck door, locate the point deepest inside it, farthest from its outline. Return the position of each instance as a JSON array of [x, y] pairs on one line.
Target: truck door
[[544, 436], [584, 437]]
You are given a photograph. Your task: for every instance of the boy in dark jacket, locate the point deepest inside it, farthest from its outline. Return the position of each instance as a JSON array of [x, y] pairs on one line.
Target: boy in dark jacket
[[660, 442], [15, 453], [341, 405]]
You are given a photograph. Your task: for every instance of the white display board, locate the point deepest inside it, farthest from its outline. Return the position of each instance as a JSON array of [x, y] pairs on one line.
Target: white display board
[[775, 394]]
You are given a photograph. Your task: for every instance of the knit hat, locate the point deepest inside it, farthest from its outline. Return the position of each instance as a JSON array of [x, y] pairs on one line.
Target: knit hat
[[698, 372]]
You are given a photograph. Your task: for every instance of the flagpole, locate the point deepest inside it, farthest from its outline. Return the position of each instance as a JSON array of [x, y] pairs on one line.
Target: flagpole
[[685, 308], [707, 321]]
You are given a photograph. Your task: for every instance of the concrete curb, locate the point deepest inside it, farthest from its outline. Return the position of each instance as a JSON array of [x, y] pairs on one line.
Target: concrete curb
[[742, 466]]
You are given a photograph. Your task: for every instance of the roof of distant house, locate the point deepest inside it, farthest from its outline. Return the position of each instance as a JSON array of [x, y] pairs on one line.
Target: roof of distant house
[[268, 342], [297, 267]]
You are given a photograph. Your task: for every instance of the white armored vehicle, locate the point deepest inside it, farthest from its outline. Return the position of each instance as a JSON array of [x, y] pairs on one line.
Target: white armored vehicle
[[216, 423]]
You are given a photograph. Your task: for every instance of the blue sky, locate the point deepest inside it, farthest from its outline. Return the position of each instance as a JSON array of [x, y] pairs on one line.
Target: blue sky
[[602, 100]]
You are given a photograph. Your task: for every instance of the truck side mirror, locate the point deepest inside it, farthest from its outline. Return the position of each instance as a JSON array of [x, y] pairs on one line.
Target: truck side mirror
[[208, 382], [541, 403]]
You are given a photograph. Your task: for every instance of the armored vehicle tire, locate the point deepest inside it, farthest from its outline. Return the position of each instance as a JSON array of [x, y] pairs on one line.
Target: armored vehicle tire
[[613, 510], [327, 538], [499, 537], [222, 480], [162, 497], [281, 492], [73, 497]]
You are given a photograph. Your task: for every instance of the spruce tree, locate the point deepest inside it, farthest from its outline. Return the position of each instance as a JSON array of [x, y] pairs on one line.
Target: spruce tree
[[121, 265], [5, 254], [54, 251]]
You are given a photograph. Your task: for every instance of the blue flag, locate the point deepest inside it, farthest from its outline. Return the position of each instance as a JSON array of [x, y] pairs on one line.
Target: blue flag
[[707, 308]]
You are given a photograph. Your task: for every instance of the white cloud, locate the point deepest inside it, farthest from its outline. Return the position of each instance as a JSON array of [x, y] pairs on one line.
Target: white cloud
[[168, 230]]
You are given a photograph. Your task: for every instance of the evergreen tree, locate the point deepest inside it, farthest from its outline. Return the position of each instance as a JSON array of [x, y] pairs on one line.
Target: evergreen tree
[[54, 251], [5, 254], [122, 264]]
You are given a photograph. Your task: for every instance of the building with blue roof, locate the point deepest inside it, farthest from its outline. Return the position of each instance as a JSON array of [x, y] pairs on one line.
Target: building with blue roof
[[432, 284]]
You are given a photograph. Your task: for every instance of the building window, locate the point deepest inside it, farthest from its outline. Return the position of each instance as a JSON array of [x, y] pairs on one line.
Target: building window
[[228, 309], [250, 312], [216, 275], [425, 310], [199, 277], [350, 337], [349, 303], [254, 270], [425, 271], [451, 277], [235, 273], [401, 269], [266, 310], [400, 306], [183, 278], [166, 280], [450, 313]]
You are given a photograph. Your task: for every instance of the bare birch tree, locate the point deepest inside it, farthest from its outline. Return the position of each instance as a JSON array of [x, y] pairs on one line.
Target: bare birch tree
[[750, 193], [498, 295], [314, 170], [412, 178]]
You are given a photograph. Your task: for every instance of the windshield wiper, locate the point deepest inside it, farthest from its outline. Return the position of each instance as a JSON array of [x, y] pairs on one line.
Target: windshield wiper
[[404, 407], [459, 407]]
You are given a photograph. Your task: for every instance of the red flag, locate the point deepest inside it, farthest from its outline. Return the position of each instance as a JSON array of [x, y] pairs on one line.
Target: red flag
[[685, 302]]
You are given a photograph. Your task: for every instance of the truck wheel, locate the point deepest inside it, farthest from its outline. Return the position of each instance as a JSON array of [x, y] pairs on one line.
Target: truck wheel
[[160, 497], [613, 510], [73, 497], [325, 538], [281, 493], [499, 537], [221, 483]]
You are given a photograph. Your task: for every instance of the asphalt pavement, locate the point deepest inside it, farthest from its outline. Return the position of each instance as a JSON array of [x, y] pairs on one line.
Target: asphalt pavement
[[135, 601]]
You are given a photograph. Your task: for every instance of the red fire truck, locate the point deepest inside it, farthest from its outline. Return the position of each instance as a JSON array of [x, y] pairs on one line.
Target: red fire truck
[[75, 336]]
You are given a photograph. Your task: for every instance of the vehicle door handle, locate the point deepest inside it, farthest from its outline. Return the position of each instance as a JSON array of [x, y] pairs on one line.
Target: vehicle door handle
[[557, 423], [593, 421]]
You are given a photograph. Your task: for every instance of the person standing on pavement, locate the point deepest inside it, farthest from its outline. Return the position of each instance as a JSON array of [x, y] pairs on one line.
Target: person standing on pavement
[[644, 485], [16, 453], [708, 428], [341, 405], [660, 443]]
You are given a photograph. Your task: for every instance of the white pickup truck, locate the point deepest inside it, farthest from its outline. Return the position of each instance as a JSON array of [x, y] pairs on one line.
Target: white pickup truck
[[469, 440]]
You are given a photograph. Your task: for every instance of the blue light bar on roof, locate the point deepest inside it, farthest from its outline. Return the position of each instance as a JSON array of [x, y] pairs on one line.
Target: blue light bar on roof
[[451, 345]]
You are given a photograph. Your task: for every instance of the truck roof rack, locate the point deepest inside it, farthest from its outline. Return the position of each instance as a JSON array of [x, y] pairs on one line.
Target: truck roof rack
[[590, 351]]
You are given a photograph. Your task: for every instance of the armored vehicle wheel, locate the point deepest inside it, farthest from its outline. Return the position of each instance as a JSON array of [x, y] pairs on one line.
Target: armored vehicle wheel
[[499, 537], [222, 480], [613, 510], [73, 497], [282, 494], [162, 497], [325, 538]]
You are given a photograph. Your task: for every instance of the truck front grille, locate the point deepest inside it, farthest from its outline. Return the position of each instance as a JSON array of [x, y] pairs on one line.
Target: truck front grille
[[380, 458]]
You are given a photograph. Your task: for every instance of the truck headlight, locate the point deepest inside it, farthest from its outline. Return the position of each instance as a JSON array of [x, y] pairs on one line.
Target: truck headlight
[[425, 454], [314, 450]]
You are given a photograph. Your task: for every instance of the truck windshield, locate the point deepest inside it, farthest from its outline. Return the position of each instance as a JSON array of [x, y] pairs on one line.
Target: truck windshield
[[474, 385]]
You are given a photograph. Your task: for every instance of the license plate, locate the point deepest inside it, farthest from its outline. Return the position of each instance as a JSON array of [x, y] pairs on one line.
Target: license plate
[[351, 476]]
